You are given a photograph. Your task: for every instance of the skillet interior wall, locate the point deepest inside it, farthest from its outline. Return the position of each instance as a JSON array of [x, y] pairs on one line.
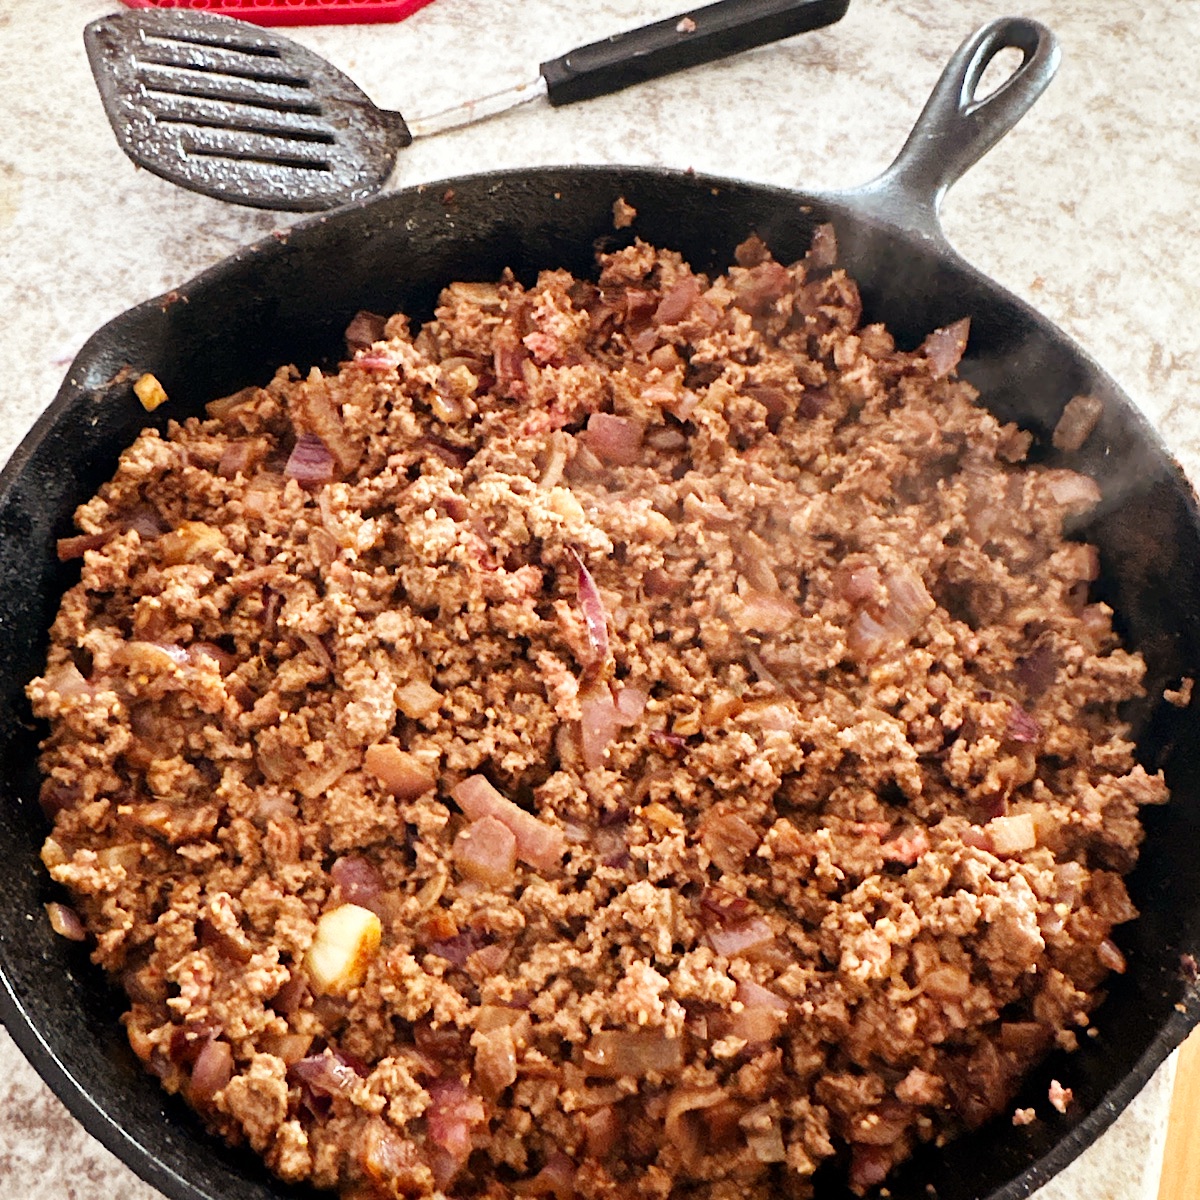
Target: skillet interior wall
[[289, 301]]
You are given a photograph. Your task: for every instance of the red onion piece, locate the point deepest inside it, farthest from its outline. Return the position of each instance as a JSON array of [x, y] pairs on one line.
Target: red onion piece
[[630, 704], [616, 1052], [1020, 726], [591, 603], [869, 1165], [358, 880], [719, 907], [677, 302], [740, 939], [213, 1070], [310, 464], [365, 329], [598, 724], [325, 1074], [459, 948], [198, 651], [486, 851], [452, 1114], [556, 1178], [944, 347], [67, 680], [614, 440], [1071, 491], [906, 847], [65, 922], [538, 844], [1037, 670]]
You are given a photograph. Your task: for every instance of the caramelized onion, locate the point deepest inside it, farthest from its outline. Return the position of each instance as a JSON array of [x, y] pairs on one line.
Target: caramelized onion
[[616, 1052], [538, 844], [740, 939], [486, 851], [591, 604], [310, 463], [616, 441], [599, 721], [65, 922], [212, 1071], [944, 347]]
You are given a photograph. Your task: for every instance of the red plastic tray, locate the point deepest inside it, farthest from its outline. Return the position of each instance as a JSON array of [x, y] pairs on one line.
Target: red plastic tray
[[296, 12]]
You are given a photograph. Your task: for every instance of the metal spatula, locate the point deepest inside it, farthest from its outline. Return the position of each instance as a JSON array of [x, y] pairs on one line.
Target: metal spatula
[[243, 114]]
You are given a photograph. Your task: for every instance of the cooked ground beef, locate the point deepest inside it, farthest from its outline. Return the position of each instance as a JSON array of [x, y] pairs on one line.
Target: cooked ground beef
[[641, 736]]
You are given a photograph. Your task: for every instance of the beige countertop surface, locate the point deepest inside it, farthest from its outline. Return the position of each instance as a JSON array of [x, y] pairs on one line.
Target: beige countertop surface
[[1087, 210]]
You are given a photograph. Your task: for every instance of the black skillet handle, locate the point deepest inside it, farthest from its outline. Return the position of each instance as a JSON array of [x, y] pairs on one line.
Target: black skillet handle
[[955, 129], [718, 31]]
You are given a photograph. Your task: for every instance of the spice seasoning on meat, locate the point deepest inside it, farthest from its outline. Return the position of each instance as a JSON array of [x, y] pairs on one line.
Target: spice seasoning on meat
[[641, 734]]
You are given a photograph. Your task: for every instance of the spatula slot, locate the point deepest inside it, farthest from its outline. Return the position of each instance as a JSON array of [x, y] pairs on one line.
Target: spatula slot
[[168, 82], [268, 160], [170, 52], [315, 137], [223, 39]]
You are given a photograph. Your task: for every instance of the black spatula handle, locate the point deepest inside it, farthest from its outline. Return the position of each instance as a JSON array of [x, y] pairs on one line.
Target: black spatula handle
[[717, 31]]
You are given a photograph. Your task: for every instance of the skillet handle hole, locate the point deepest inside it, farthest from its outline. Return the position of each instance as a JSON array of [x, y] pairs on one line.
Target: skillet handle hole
[[997, 73]]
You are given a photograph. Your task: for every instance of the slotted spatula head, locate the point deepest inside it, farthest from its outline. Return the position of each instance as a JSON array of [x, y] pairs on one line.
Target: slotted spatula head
[[239, 113]]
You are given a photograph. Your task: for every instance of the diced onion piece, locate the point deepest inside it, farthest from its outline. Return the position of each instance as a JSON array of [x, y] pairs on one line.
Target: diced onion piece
[[599, 721], [823, 251], [310, 463], [65, 921], [616, 441], [212, 1071], [417, 699], [740, 939], [486, 851], [947, 982], [630, 704], [149, 391], [613, 1053], [762, 612], [66, 680], [346, 942], [1011, 835], [678, 301], [944, 347], [403, 774], [762, 1014], [495, 1060], [75, 547], [358, 880], [556, 1178], [680, 1132], [538, 844], [1020, 726], [729, 838], [603, 1128], [364, 330], [1071, 491], [1110, 956], [595, 617], [326, 1074], [452, 1114]]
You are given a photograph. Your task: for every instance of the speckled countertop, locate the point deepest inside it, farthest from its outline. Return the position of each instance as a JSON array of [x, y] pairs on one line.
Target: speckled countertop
[[1086, 210]]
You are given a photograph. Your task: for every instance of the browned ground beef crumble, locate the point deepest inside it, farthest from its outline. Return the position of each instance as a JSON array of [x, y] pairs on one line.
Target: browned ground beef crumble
[[688, 699]]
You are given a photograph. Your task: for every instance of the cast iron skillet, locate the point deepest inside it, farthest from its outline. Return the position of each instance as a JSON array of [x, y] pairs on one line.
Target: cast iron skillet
[[288, 300]]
